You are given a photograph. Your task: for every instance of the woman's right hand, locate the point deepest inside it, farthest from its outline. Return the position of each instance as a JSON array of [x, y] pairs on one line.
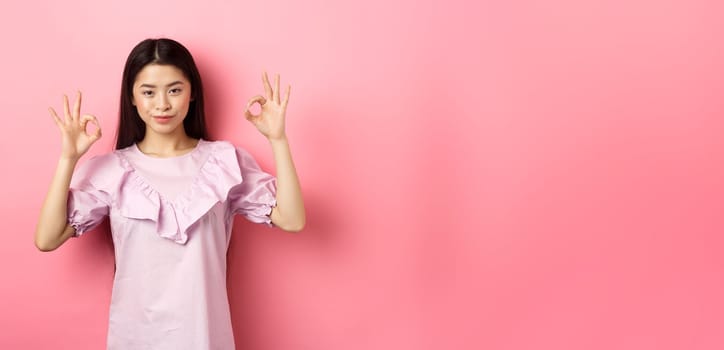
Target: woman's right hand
[[76, 141]]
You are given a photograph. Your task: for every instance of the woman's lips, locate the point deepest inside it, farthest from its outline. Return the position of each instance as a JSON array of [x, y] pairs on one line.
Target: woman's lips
[[162, 119]]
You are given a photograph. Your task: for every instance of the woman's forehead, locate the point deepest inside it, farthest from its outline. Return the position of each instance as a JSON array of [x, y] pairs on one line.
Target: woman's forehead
[[160, 75]]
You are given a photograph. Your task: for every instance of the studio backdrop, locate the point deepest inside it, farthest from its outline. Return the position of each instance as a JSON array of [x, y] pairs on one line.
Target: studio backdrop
[[477, 174]]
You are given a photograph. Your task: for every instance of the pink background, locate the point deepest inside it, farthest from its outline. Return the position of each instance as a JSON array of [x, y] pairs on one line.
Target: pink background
[[507, 175]]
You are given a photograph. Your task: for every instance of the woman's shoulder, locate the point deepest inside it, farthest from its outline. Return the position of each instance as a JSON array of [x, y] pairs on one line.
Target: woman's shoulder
[[109, 161], [228, 155], [225, 149], [218, 145], [100, 170]]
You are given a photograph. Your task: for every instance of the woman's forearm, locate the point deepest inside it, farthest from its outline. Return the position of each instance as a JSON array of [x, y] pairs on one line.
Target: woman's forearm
[[52, 228], [289, 212]]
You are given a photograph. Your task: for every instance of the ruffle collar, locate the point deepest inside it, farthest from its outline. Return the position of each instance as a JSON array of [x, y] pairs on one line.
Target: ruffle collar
[[219, 172]]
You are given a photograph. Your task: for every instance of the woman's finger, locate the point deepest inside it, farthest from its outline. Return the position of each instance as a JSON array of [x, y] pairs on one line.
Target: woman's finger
[[267, 86], [55, 117], [277, 92], [66, 108], [286, 97], [256, 99], [98, 132], [76, 106], [84, 122], [249, 116]]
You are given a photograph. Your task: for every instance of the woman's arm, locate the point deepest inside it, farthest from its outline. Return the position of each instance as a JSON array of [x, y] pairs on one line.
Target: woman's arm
[[53, 229], [289, 211]]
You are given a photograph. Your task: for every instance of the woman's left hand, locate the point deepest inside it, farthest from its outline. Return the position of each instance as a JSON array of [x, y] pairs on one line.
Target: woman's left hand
[[270, 122]]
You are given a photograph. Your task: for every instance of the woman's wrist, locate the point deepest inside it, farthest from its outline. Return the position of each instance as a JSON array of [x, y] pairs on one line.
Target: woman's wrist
[[279, 139], [70, 160]]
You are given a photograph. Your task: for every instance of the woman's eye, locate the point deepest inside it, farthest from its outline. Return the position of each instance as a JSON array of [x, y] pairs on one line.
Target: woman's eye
[[147, 93], [175, 91]]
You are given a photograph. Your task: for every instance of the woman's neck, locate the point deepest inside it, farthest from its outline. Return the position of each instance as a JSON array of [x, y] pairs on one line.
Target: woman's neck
[[166, 145]]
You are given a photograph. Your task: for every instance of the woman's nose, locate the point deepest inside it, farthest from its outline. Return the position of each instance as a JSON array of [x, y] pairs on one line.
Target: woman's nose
[[163, 103]]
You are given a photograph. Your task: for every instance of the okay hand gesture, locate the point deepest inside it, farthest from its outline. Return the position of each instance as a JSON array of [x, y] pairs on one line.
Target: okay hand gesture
[[76, 141], [270, 121]]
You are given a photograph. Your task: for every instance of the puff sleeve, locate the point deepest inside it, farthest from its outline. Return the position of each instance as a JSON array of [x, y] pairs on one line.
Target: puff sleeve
[[87, 205], [255, 196]]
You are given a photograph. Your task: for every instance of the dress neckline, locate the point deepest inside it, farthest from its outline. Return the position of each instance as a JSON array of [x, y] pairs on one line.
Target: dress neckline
[[196, 148], [219, 172]]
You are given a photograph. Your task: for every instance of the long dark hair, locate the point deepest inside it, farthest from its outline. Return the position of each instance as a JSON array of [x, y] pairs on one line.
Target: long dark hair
[[131, 128]]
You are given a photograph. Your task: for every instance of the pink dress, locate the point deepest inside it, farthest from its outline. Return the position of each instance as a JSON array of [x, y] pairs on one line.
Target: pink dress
[[171, 220]]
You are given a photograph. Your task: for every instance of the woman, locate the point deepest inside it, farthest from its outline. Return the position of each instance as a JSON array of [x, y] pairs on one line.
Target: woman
[[171, 195]]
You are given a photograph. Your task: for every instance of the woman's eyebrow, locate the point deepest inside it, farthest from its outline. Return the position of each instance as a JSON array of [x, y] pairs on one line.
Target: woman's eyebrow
[[169, 85]]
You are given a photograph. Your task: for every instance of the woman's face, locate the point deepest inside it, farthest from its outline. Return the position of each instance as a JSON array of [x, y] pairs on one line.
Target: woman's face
[[162, 94]]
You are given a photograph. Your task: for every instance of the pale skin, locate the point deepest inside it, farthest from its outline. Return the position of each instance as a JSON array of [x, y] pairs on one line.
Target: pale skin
[[164, 91]]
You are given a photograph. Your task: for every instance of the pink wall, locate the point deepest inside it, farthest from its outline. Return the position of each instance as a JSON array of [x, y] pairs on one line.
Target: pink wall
[[508, 175]]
